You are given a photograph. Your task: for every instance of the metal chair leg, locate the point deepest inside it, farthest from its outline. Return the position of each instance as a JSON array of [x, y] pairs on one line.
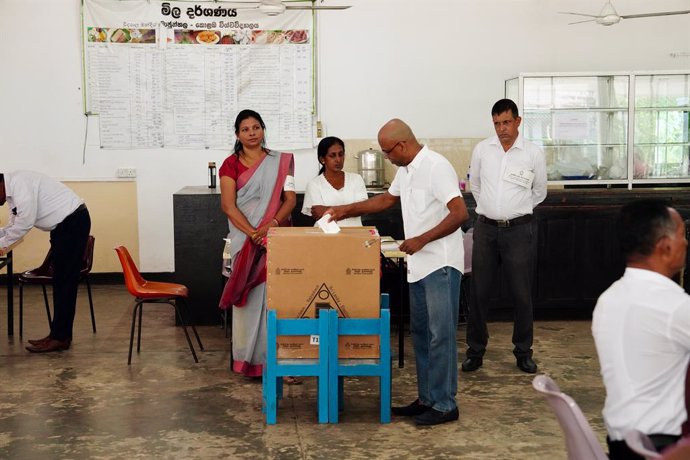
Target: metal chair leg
[[88, 290], [141, 315], [45, 298], [21, 309], [137, 305], [184, 327], [187, 312]]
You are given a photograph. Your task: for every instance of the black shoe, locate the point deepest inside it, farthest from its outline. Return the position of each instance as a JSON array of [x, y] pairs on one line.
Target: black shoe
[[435, 417], [527, 364], [472, 364], [416, 408]]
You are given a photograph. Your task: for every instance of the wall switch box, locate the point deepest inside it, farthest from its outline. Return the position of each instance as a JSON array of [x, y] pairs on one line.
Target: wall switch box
[[126, 172]]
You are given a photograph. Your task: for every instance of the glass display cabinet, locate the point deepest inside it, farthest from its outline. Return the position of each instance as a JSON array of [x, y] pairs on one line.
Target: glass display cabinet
[[613, 128]]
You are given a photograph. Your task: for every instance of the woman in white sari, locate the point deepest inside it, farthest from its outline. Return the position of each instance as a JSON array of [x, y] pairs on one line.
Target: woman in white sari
[[257, 192]]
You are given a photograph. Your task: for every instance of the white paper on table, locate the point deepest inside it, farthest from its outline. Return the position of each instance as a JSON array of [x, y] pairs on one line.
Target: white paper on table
[[326, 226], [390, 246]]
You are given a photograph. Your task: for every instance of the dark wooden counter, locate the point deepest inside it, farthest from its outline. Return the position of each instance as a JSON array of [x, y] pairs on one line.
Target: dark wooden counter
[[577, 254], [200, 227]]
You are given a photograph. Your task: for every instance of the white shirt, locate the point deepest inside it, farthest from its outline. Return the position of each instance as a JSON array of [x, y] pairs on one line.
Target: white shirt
[[38, 200], [496, 197], [425, 187], [321, 192], [641, 328]]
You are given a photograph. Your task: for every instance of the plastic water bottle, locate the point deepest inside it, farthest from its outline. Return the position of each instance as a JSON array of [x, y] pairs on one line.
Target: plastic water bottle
[[211, 174], [227, 258]]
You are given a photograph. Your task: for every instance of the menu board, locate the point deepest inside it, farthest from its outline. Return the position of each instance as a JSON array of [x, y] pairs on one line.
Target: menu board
[[175, 74]]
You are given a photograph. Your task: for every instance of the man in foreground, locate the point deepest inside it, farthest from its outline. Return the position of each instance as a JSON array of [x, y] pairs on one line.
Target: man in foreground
[[641, 329]]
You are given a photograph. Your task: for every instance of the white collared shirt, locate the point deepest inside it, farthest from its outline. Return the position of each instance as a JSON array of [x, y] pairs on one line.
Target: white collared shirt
[[38, 201], [425, 186], [321, 192], [641, 328], [496, 197]]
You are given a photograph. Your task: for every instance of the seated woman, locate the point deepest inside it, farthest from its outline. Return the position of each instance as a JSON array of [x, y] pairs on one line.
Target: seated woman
[[257, 189], [333, 186]]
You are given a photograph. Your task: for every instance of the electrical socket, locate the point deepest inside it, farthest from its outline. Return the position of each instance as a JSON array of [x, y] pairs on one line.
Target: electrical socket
[[126, 172]]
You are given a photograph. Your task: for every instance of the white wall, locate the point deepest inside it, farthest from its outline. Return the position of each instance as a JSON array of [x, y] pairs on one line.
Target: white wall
[[438, 64]]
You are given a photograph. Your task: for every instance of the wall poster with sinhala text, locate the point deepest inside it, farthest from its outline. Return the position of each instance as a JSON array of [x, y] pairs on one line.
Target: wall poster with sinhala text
[[175, 74]]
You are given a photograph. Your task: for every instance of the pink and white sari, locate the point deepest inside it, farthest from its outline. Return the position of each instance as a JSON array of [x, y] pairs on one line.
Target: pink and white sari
[[259, 196]]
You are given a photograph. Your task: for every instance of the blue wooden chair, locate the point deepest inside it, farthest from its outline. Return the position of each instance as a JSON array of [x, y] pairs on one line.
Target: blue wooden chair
[[340, 368], [275, 369]]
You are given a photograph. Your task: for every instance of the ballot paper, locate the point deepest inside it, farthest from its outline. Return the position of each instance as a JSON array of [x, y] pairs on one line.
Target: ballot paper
[[326, 226]]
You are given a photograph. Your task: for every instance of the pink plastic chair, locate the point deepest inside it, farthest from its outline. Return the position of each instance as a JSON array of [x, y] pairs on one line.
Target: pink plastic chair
[[580, 441], [641, 444]]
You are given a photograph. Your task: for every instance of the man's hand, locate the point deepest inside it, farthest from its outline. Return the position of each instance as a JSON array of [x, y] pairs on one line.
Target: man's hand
[[337, 213], [413, 245]]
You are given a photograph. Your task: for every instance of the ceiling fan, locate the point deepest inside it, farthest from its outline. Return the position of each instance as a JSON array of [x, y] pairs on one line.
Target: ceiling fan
[[608, 15], [276, 7]]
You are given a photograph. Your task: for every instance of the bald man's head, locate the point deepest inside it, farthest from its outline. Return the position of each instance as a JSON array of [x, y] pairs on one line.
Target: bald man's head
[[396, 130], [398, 142]]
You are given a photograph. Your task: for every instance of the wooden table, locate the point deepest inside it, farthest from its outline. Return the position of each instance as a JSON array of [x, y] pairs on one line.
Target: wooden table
[[6, 261]]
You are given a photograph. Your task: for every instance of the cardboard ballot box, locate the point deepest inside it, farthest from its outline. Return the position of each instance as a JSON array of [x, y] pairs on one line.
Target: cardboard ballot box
[[308, 270]]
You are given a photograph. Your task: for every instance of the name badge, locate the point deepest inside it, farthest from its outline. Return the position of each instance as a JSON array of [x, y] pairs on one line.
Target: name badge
[[519, 176]]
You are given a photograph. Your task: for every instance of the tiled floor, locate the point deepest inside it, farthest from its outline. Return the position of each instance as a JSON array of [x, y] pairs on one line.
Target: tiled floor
[[87, 403]]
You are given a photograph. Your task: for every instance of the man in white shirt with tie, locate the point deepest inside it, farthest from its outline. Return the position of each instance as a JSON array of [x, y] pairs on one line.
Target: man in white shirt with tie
[[36, 200], [508, 181]]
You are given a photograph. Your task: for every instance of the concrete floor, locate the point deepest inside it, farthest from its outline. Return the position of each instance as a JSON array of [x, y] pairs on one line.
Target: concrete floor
[[87, 403]]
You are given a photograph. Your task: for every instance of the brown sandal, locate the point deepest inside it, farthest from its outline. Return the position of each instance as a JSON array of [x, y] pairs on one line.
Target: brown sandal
[[292, 380]]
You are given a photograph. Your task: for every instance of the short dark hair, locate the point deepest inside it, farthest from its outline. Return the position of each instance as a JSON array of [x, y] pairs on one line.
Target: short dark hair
[[325, 144], [641, 224], [505, 105]]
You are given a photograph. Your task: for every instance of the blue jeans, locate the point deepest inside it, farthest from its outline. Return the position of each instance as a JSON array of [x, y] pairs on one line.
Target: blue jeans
[[434, 302]]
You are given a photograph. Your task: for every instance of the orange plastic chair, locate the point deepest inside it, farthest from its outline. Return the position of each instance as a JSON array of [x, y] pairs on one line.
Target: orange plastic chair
[[152, 292], [43, 276]]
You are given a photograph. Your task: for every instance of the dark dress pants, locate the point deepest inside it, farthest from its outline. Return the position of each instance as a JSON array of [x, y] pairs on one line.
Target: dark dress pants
[[67, 244], [509, 249], [619, 450]]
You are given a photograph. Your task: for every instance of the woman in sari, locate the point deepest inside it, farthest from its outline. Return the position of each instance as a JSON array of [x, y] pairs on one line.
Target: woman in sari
[[257, 193]]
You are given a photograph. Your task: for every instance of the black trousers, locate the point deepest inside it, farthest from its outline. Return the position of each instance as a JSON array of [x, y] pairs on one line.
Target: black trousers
[[509, 249], [619, 450], [67, 244]]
